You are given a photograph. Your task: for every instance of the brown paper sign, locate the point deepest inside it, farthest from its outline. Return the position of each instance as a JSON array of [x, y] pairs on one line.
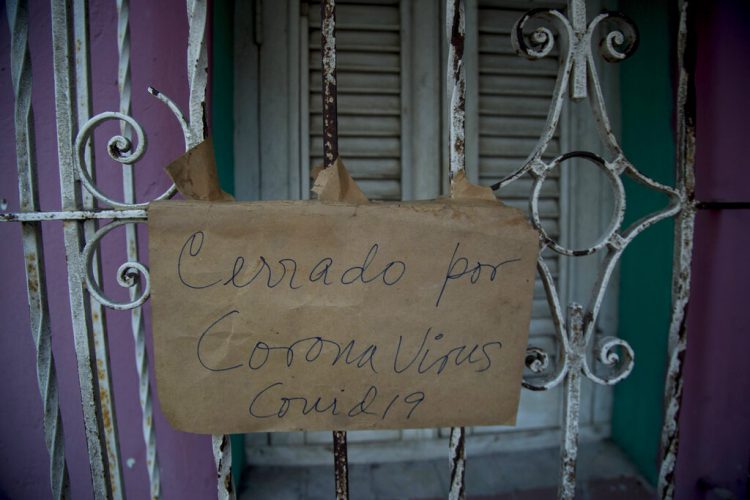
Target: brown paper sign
[[276, 316]]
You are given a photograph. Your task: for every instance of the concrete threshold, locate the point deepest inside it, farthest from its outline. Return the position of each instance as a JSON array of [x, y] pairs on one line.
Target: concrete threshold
[[603, 473]]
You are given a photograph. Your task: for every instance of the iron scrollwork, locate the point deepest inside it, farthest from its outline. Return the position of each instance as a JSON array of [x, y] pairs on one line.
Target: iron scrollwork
[[577, 79], [121, 149]]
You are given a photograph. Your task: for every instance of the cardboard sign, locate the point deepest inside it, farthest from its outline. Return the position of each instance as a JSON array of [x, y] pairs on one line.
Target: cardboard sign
[[277, 316]]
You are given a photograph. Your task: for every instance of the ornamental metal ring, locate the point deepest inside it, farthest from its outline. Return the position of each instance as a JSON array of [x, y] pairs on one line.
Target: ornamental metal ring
[[540, 170]]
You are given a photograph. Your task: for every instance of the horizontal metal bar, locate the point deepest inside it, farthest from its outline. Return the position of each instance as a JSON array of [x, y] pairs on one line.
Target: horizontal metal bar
[[73, 215]]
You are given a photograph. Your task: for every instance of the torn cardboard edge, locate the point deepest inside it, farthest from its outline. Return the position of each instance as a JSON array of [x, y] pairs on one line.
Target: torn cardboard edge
[[195, 176], [335, 184], [462, 189]]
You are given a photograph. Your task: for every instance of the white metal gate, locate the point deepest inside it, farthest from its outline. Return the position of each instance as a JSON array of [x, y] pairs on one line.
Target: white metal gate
[[604, 361]]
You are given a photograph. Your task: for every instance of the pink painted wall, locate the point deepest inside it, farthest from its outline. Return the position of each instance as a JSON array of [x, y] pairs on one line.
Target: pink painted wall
[[158, 31], [715, 419]]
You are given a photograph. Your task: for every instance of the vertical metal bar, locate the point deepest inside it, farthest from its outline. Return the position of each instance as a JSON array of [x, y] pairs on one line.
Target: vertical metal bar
[[328, 53], [197, 68], [131, 241], [571, 402], [73, 236], [683, 250], [456, 26], [18, 20], [97, 319], [341, 465], [457, 463], [455, 18], [197, 71], [330, 153], [577, 16]]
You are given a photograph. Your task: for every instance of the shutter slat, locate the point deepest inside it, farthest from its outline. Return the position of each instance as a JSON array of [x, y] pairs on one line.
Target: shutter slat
[[357, 38], [363, 147], [496, 105], [497, 167], [369, 168], [350, 80], [511, 126], [381, 190], [351, 59], [492, 84], [360, 125], [549, 208], [512, 146], [353, 104], [511, 64], [375, 16]]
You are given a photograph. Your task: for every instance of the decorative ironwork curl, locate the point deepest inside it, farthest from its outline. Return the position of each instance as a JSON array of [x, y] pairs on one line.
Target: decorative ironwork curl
[[618, 44], [120, 149], [577, 63], [542, 40], [605, 352], [128, 274], [537, 359]]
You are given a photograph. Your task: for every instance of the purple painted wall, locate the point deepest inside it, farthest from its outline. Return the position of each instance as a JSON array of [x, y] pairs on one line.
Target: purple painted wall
[[158, 31], [715, 418]]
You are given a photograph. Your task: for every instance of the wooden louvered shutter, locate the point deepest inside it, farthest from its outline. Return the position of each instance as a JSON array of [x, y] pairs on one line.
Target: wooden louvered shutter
[[368, 66]]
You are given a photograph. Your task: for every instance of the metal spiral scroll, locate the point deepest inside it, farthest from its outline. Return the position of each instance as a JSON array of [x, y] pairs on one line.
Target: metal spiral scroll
[[577, 74], [120, 149], [128, 274]]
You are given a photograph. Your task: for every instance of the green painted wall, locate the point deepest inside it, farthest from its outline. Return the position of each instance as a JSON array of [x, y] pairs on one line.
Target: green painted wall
[[222, 123], [222, 90], [645, 294]]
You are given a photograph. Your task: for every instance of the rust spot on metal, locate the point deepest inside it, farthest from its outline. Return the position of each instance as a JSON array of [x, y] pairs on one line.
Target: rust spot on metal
[[341, 465], [106, 417], [114, 150], [457, 36], [328, 54], [228, 483], [32, 273]]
